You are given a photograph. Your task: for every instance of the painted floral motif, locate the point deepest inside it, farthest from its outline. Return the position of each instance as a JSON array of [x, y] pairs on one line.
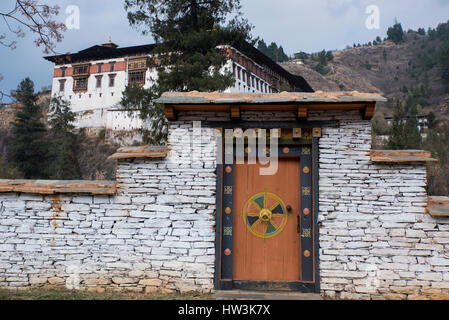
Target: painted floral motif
[[306, 151], [228, 189], [306, 233], [306, 191], [317, 132], [228, 231], [297, 133], [307, 134]]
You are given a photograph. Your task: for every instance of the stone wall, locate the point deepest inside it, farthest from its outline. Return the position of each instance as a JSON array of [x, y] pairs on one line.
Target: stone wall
[[157, 233], [376, 239]]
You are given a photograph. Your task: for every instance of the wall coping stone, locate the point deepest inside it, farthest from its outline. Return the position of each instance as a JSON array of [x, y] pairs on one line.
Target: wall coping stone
[[438, 206], [140, 152], [58, 186], [398, 156]]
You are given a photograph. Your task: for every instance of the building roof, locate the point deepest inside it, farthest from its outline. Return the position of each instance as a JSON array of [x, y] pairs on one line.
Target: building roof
[[195, 97], [298, 102], [258, 56], [100, 52], [107, 51]]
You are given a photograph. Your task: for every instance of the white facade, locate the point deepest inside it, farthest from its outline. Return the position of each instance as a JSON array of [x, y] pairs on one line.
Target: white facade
[[99, 105]]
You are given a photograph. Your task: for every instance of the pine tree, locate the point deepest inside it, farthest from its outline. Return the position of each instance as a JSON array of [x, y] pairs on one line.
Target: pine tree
[[189, 35], [282, 55], [412, 135], [27, 147], [262, 46], [443, 61], [396, 141], [396, 33], [63, 164], [136, 98]]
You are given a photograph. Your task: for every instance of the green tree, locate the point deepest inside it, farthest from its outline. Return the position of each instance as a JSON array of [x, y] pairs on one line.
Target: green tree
[[189, 36], [27, 147], [380, 126], [262, 46], [396, 33], [396, 140], [322, 58], [443, 62], [272, 51], [412, 134], [432, 121], [137, 99], [282, 56], [63, 164]]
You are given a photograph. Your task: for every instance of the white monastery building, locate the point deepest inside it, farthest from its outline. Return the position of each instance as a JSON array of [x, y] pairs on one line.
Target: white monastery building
[[93, 80]]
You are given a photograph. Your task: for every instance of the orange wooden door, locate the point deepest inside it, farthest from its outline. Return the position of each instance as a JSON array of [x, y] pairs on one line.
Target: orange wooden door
[[267, 244]]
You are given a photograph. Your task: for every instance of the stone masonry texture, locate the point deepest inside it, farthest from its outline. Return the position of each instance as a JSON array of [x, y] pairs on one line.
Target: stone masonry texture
[[376, 240]]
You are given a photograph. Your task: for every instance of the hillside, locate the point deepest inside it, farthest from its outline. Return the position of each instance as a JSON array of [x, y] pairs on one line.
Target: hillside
[[387, 68]]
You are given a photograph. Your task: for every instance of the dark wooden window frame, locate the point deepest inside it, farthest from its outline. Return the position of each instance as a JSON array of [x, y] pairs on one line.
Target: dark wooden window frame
[[98, 81], [62, 85], [77, 87], [112, 80], [134, 73]]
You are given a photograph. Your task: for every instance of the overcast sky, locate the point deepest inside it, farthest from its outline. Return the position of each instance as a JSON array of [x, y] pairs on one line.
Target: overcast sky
[[297, 25]]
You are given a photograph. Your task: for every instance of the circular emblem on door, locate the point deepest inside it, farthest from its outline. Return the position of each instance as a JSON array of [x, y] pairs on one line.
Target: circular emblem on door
[[265, 215]]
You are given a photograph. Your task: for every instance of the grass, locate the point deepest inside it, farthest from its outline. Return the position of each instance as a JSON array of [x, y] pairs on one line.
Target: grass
[[65, 294]]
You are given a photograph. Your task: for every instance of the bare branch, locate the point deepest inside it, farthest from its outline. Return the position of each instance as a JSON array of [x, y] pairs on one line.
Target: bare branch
[[36, 18]]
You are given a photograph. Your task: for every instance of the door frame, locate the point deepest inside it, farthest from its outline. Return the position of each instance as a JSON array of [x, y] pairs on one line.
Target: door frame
[[223, 280]]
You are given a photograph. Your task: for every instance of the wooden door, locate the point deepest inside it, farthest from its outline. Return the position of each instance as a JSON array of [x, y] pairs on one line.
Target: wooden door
[[267, 242]]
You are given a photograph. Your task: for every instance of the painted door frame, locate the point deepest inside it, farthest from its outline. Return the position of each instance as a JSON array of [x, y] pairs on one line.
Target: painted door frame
[[309, 220]]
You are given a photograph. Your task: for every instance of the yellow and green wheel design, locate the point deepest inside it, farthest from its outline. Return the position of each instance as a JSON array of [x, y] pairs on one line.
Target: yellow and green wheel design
[[265, 215]]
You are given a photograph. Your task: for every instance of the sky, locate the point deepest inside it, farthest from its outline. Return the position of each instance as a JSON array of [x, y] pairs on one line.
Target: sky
[[297, 25]]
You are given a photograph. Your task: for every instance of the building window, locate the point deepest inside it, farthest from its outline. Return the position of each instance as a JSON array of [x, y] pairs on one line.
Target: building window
[[112, 80], [136, 78], [81, 70], [238, 72], [61, 85], [137, 64], [234, 70], [80, 84], [99, 68], [112, 67], [63, 72], [98, 83]]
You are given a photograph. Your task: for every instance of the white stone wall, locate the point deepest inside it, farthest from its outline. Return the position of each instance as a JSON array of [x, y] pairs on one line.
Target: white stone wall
[[157, 233], [376, 239]]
